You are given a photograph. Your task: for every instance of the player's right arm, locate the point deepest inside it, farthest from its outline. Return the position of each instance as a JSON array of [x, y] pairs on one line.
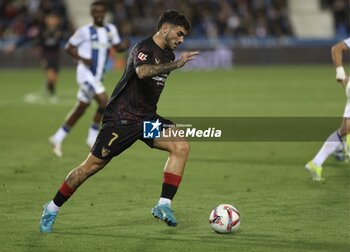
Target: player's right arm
[[337, 57], [149, 70], [73, 52], [79, 37]]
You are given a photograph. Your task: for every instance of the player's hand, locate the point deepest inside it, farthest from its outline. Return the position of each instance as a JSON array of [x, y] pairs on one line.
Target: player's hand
[[123, 46], [185, 57], [344, 81], [341, 76]]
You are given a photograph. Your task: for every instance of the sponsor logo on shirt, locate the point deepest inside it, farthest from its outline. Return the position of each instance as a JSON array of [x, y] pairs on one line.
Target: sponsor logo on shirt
[[160, 79], [142, 56]]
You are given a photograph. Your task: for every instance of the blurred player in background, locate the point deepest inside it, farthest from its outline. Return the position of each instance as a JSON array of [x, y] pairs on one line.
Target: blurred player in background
[[133, 102], [51, 40], [335, 140], [90, 46], [49, 36]]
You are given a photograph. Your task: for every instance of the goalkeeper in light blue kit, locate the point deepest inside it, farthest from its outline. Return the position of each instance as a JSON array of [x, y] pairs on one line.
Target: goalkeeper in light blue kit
[[340, 137]]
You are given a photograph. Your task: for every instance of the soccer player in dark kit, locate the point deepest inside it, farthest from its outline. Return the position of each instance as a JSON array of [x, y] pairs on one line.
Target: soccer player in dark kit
[[133, 102], [50, 41]]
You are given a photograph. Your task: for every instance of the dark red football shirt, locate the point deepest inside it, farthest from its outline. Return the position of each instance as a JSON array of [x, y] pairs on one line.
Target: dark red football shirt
[[135, 99]]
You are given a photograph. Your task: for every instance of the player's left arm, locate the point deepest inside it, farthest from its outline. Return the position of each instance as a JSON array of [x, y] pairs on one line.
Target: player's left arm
[[148, 70], [337, 57], [118, 44], [73, 52], [122, 46], [77, 39]]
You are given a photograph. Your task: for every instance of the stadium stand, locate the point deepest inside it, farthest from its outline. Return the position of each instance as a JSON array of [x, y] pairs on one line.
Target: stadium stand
[[310, 20], [247, 25], [19, 17], [209, 18]]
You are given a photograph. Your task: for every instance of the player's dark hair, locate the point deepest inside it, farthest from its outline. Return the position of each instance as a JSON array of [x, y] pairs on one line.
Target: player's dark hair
[[98, 3], [174, 17]]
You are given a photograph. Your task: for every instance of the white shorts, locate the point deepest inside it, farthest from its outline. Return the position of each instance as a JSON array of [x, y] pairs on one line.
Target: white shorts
[[88, 90], [347, 106]]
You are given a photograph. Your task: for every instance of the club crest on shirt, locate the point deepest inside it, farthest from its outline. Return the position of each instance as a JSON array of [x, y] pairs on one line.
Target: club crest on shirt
[[105, 151], [142, 56]]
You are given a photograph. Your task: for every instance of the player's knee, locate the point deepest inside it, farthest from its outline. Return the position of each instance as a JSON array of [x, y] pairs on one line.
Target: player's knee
[[97, 167], [347, 131], [344, 130], [102, 100], [79, 111], [91, 168], [181, 148], [101, 110]]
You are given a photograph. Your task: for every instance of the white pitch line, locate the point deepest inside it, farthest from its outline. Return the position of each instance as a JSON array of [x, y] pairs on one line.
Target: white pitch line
[[39, 98]]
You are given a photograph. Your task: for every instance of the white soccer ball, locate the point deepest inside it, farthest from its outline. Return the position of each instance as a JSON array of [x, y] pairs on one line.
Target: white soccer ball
[[224, 219]]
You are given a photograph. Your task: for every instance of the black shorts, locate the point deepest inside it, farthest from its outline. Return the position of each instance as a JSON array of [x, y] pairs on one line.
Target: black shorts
[[50, 62], [115, 137]]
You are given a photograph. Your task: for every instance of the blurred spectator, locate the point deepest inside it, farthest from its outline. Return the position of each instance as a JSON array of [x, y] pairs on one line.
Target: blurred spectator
[[341, 9], [341, 18], [279, 24]]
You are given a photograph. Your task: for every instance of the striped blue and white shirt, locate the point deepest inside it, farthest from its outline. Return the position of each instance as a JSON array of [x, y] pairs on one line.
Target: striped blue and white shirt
[[347, 42], [94, 43]]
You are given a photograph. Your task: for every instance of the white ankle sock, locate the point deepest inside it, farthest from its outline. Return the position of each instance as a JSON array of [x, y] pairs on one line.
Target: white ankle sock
[[163, 201], [92, 135], [52, 207], [60, 134], [332, 143]]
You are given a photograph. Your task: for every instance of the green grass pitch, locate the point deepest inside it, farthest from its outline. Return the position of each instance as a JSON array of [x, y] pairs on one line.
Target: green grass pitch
[[281, 208]]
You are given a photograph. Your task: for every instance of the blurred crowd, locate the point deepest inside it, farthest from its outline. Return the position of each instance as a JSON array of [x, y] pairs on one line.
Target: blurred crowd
[[341, 15], [20, 18], [209, 18]]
